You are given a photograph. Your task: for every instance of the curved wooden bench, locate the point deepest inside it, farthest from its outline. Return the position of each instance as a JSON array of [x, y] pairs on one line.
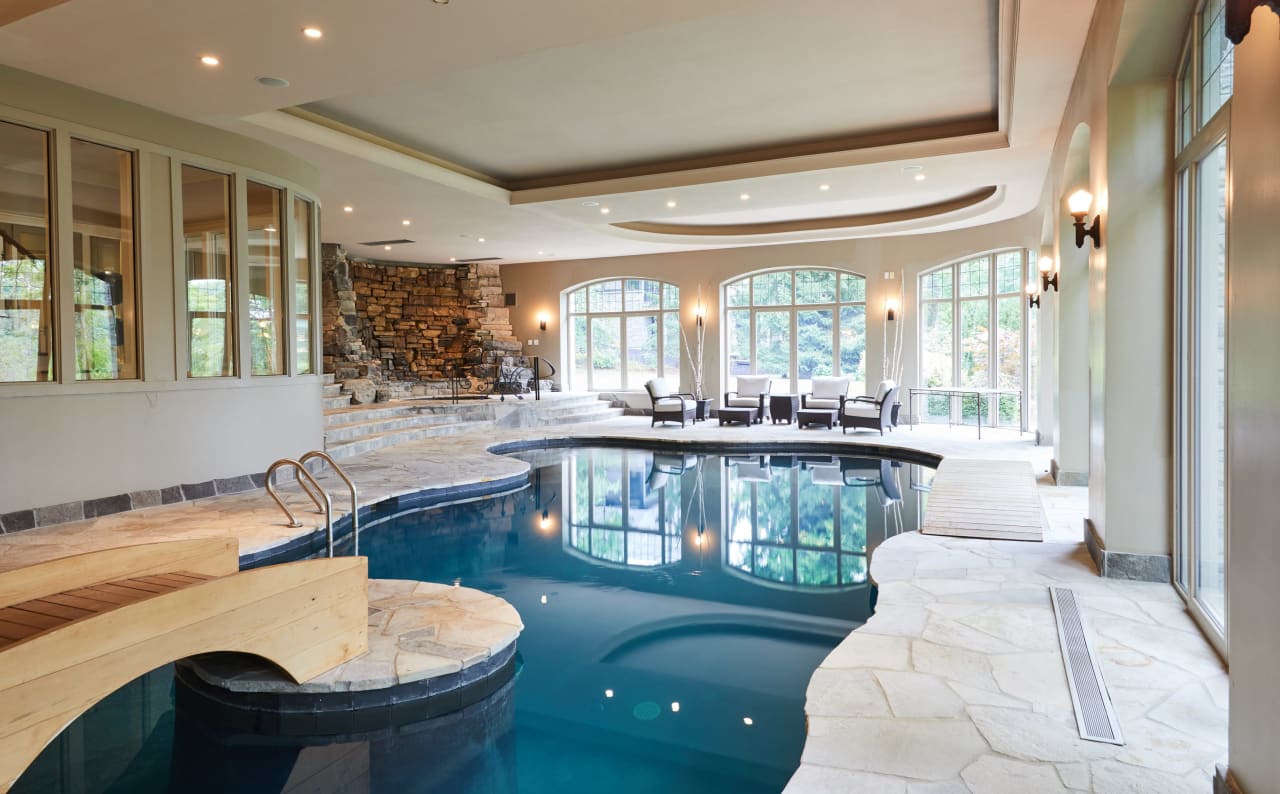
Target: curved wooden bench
[[75, 629]]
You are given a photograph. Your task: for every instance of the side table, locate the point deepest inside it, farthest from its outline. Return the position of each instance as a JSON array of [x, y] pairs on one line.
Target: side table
[[702, 409], [783, 407]]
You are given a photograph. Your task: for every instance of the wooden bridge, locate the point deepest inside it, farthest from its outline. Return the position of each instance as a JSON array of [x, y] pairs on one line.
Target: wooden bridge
[[75, 629]]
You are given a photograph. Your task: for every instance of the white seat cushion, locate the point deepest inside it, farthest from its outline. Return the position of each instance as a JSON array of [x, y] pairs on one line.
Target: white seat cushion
[[744, 402], [830, 388], [822, 403], [866, 410], [754, 384], [671, 403], [658, 387]]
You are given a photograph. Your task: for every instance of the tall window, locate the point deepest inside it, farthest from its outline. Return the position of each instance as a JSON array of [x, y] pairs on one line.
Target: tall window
[[973, 335], [206, 232], [105, 275], [266, 280], [26, 280], [1205, 87], [622, 332], [302, 286], [796, 324]]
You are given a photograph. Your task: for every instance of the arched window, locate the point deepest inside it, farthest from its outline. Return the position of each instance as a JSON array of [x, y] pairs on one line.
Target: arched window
[[795, 324], [973, 321], [621, 333]]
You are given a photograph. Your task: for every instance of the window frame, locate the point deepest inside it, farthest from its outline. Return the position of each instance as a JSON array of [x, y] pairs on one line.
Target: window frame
[[660, 314], [1206, 135], [792, 308], [992, 298]]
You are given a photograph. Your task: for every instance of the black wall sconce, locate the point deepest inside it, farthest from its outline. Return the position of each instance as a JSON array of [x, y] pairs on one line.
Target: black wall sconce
[[891, 310], [1048, 275], [1033, 296], [542, 321], [1239, 13], [1079, 203]]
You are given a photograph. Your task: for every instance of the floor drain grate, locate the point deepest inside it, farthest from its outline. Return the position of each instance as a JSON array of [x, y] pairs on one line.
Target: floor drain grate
[[1095, 716]]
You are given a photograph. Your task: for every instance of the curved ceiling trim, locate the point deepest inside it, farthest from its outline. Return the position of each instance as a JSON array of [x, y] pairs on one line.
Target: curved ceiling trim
[[836, 222]]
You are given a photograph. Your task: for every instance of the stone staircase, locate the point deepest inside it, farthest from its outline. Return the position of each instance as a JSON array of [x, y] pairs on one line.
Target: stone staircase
[[356, 429]]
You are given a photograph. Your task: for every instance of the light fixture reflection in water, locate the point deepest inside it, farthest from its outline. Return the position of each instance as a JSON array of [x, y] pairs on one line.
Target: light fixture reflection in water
[[608, 693], [748, 721]]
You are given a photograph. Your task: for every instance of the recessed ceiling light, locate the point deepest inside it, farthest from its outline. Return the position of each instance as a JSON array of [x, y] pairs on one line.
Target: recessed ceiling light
[[405, 222], [911, 169], [919, 177], [313, 33], [671, 205], [542, 253], [591, 204], [453, 259], [441, 2], [480, 239], [824, 187], [386, 248], [744, 196], [348, 208], [269, 228], [209, 60], [604, 210], [274, 82]]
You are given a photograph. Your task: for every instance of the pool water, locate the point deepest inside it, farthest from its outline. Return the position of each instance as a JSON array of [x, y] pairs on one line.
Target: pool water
[[675, 607]]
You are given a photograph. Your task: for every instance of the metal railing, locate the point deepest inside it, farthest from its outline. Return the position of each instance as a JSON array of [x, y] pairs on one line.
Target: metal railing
[[351, 487], [317, 493]]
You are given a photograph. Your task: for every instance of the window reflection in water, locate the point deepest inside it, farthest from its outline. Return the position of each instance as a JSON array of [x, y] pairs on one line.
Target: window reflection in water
[[624, 506], [803, 520], [792, 521]]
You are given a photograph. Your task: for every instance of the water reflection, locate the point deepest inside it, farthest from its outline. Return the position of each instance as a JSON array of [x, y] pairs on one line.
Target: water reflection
[[800, 522]]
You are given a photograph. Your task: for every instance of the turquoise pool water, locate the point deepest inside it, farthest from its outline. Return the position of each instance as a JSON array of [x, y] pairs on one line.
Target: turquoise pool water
[[675, 608]]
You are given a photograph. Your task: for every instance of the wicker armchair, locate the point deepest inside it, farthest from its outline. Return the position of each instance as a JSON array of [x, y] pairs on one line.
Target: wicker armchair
[[753, 392], [669, 406], [874, 413]]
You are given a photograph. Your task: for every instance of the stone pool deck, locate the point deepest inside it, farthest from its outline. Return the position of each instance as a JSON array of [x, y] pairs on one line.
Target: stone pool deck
[[955, 685]]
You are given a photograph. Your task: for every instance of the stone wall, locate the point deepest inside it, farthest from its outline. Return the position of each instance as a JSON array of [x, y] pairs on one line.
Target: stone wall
[[410, 328]]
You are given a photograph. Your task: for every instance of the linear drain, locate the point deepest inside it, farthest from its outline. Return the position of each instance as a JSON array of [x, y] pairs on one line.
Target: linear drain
[[1095, 716]]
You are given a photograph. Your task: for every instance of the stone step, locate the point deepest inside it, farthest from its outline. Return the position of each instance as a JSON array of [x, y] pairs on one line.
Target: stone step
[[340, 401], [347, 449], [353, 431], [328, 379], [557, 409], [596, 415], [331, 390]]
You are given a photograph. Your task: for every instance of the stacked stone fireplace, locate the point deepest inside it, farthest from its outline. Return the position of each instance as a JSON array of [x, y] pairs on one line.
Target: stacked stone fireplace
[[409, 330]]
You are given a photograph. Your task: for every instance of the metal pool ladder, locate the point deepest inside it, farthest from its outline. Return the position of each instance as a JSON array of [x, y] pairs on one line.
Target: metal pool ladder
[[322, 499]]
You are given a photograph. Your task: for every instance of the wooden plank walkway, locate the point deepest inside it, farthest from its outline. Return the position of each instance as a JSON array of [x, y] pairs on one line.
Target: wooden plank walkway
[[991, 499]]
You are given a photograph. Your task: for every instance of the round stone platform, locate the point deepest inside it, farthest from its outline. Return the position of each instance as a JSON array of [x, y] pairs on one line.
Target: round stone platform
[[433, 649]]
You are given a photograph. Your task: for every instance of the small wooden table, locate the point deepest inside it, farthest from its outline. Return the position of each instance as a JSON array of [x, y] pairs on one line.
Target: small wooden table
[[746, 416], [783, 407], [816, 416]]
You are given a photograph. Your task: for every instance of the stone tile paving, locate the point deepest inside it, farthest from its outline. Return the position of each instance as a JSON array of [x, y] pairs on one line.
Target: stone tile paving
[[957, 683], [968, 617], [417, 630]]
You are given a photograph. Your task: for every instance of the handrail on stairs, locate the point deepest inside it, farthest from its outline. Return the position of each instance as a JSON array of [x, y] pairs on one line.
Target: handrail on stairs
[[308, 482], [351, 486], [301, 473]]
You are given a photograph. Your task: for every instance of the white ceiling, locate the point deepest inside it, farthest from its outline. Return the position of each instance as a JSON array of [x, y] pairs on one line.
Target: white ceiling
[[517, 90]]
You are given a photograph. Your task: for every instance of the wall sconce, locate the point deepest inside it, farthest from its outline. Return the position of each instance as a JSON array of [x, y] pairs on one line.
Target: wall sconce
[[699, 312], [1079, 203], [544, 523], [1033, 296], [542, 320], [891, 309], [1048, 274]]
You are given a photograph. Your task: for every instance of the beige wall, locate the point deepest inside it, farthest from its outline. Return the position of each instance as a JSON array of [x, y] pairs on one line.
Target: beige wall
[[538, 285], [1253, 409], [69, 441], [1114, 345]]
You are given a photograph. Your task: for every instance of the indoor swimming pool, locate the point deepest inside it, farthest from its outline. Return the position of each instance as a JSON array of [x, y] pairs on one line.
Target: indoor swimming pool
[[675, 607]]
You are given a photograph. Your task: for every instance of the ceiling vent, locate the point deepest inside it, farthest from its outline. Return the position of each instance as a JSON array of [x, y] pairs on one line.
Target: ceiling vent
[[388, 242]]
